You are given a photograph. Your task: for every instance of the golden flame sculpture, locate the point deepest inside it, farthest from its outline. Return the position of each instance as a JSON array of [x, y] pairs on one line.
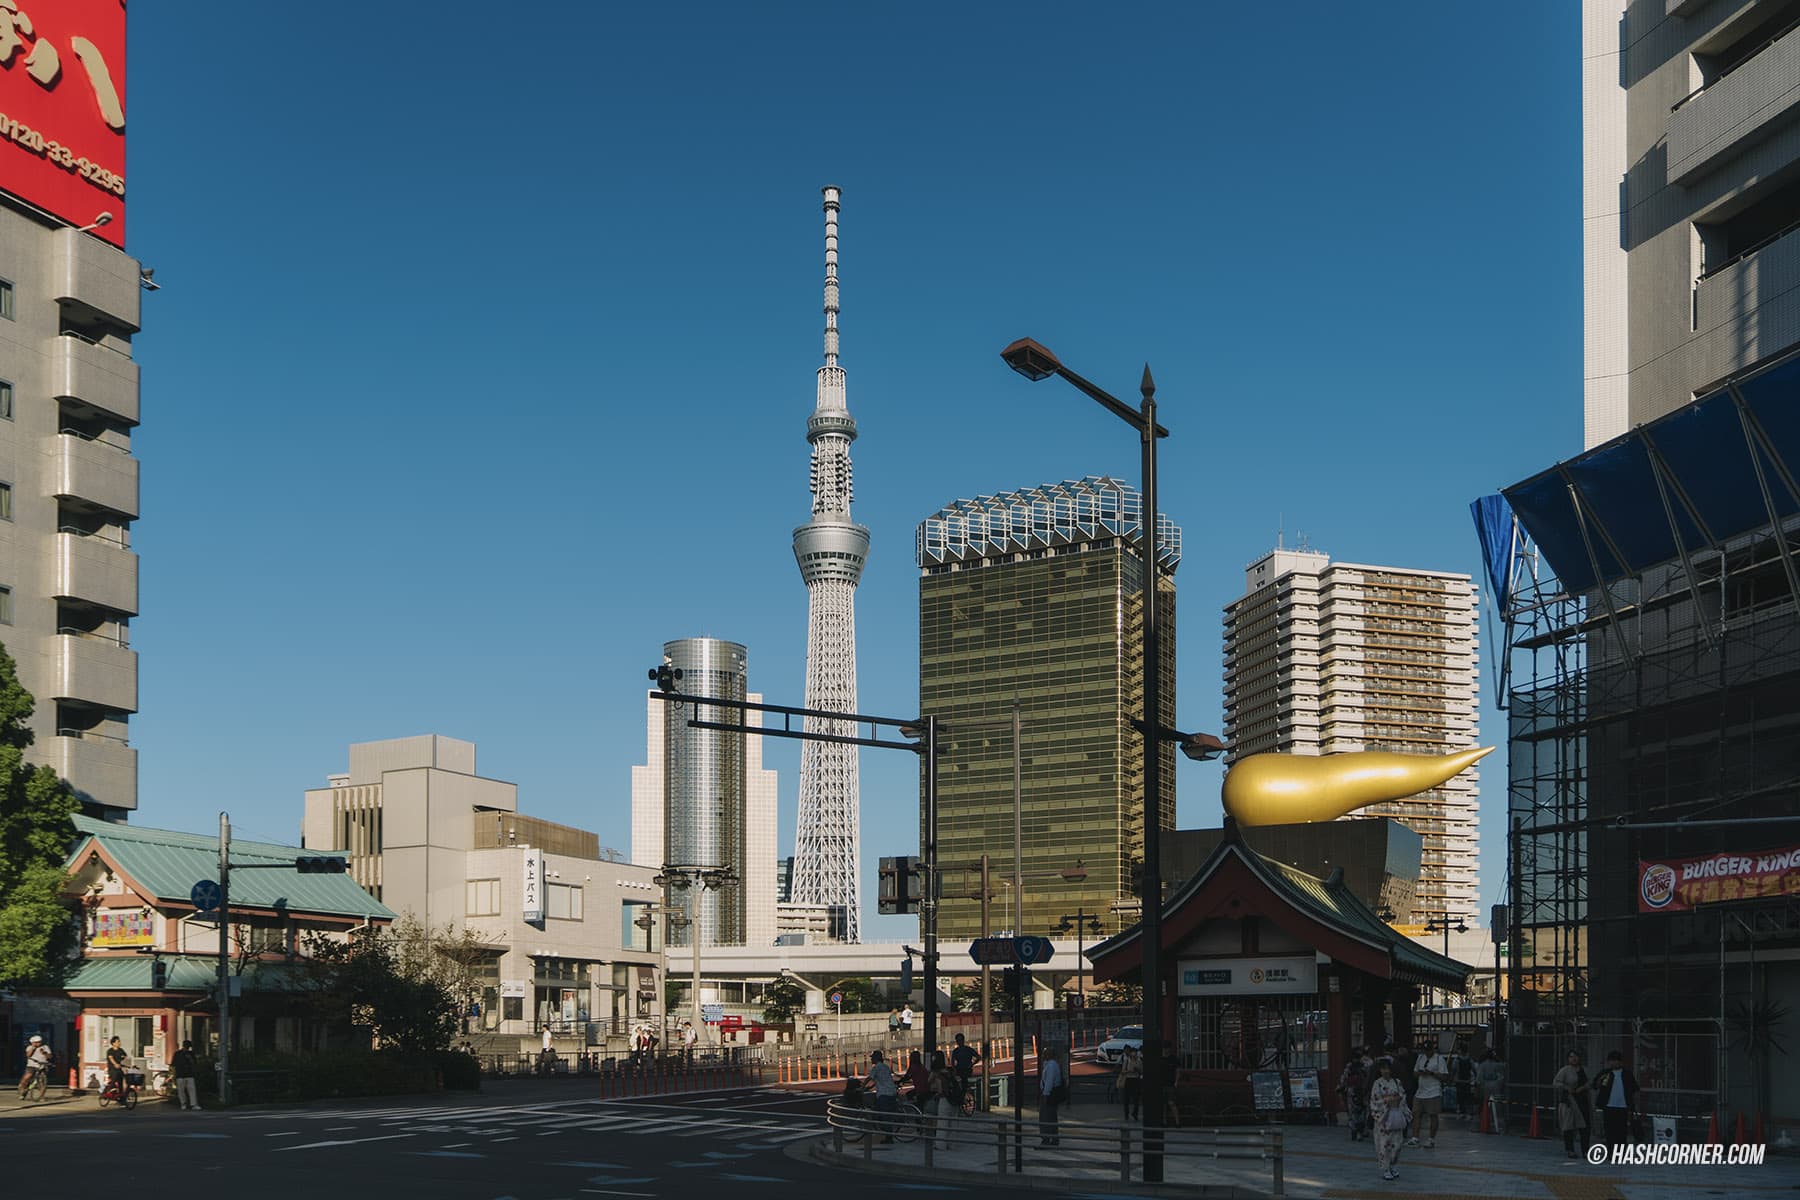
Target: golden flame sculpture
[[1284, 789]]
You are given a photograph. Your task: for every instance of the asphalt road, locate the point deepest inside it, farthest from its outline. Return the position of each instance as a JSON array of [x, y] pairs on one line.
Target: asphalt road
[[526, 1141]]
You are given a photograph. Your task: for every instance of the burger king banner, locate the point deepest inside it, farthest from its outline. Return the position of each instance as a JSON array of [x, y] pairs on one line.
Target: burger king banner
[[1680, 884]]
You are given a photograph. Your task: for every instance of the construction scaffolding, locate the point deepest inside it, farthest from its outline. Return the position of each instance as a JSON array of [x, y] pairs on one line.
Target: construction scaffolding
[[1650, 597]]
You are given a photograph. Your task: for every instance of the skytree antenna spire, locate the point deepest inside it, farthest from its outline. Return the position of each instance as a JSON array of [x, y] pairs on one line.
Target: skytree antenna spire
[[830, 550]]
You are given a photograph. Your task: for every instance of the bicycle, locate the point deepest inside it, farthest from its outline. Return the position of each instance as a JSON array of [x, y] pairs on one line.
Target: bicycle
[[124, 1095], [33, 1087]]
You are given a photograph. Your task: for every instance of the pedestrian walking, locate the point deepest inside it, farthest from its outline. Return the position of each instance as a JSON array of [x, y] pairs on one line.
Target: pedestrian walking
[[1131, 1082], [1431, 1070], [1388, 1111], [186, 1068], [906, 1020], [945, 1095], [1053, 1092], [887, 1094], [1615, 1092], [1353, 1086], [1571, 1087], [1490, 1078], [894, 1025]]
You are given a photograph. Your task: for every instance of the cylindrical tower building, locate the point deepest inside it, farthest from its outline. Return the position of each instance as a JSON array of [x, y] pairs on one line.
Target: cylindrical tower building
[[704, 770]]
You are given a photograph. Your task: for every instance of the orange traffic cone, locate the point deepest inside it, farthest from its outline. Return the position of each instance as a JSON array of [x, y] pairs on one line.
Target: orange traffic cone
[[1484, 1127], [1712, 1129], [1737, 1132], [1536, 1131]]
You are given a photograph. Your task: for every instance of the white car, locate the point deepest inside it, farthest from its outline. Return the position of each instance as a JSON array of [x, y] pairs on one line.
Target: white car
[[1113, 1048]]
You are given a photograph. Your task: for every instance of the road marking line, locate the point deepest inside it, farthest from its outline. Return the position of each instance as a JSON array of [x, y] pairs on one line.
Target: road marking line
[[287, 1133], [342, 1142], [513, 1138], [448, 1154], [447, 1145], [614, 1192]]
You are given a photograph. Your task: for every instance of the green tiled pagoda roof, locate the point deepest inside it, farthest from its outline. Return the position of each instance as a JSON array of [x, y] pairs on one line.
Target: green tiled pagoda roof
[[168, 864], [1336, 904], [187, 973]]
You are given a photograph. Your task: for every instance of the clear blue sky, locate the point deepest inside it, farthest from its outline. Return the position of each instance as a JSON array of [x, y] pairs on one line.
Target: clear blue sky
[[487, 341]]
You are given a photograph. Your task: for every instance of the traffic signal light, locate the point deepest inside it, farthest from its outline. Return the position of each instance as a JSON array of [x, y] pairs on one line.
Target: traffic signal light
[[159, 974], [906, 976], [1009, 981], [320, 864], [665, 677], [900, 889]]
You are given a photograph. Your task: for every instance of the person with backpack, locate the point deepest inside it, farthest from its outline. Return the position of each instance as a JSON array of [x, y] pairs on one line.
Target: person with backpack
[[1353, 1086]]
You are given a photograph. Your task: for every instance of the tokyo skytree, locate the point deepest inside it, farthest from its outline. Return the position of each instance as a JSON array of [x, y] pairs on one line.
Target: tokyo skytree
[[831, 550]]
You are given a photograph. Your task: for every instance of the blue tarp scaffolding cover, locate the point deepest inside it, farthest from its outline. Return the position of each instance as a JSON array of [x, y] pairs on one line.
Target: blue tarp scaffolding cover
[[1698, 474]]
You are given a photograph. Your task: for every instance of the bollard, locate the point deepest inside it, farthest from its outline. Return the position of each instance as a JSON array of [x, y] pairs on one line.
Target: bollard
[[1124, 1154], [1279, 1186]]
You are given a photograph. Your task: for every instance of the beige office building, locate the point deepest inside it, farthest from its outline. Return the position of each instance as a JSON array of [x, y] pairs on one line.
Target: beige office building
[[429, 837], [1323, 657]]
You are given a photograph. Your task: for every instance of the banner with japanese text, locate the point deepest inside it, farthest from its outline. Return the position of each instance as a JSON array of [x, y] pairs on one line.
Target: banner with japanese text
[[1680, 884]]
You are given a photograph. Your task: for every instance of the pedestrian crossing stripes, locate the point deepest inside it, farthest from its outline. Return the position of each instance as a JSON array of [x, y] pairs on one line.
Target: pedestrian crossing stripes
[[748, 1128]]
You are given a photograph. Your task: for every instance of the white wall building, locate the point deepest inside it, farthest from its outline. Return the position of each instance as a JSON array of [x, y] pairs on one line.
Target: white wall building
[[430, 838], [1322, 658]]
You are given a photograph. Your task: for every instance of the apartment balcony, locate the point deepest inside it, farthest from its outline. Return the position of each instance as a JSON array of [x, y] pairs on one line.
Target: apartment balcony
[[1731, 294], [95, 472], [96, 570], [1735, 109], [94, 670], [102, 769], [94, 375], [97, 278]]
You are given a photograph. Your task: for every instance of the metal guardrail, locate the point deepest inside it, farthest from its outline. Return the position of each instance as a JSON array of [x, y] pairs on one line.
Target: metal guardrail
[[1075, 1144]]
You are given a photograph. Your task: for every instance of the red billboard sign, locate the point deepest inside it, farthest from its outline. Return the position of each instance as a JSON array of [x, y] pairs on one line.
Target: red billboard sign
[[1680, 884], [62, 108]]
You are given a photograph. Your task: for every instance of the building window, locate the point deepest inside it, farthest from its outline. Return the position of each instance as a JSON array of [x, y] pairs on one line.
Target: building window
[[562, 902], [5, 501], [5, 606], [6, 403], [484, 898], [6, 299]]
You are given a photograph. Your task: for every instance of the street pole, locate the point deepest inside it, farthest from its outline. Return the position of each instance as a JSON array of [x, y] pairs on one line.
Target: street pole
[[928, 904], [1023, 976], [1018, 839], [1151, 933], [224, 1064], [699, 902], [987, 996]]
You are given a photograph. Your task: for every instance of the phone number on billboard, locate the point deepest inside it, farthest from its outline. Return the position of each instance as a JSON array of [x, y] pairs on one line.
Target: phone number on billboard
[[62, 156]]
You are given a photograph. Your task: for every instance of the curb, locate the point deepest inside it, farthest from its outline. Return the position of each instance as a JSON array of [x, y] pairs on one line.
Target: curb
[[819, 1152]]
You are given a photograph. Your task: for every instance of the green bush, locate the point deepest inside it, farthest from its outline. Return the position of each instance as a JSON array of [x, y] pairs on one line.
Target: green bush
[[332, 1074]]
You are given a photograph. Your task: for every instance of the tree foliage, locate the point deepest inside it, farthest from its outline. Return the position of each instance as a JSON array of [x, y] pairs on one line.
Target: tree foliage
[[782, 1000], [407, 984], [37, 934]]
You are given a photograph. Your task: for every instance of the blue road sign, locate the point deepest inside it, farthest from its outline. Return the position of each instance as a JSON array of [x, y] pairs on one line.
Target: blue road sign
[[1034, 949], [205, 896], [994, 951]]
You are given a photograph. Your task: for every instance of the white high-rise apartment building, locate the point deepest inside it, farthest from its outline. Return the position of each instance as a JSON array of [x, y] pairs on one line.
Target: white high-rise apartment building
[[1323, 658], [703, 798], [1690, 148]]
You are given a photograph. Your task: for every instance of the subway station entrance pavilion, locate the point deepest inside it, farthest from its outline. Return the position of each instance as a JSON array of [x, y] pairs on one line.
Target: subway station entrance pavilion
[[1269, 969]]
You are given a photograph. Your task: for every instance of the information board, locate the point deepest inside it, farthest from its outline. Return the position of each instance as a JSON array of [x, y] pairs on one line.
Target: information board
[[1303, 1086], [1267, 1092]]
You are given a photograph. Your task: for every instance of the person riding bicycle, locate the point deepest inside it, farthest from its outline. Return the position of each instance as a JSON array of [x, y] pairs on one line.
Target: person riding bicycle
[[37, 1062], [963, 1060], [115, 1067]]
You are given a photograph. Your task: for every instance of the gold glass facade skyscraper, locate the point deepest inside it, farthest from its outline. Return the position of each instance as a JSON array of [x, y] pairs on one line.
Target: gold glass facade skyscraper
[[1036, 597]]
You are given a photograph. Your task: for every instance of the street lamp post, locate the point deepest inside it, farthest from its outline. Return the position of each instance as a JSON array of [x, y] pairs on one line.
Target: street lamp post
[[710, 878], [673, 918], [1434, 924], [1036, 362]]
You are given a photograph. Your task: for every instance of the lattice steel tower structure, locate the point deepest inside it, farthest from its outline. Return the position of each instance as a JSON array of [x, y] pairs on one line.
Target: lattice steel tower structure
[[831, 550]]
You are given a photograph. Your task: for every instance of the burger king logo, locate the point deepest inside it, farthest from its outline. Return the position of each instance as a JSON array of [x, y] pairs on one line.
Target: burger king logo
[[1658, 885]]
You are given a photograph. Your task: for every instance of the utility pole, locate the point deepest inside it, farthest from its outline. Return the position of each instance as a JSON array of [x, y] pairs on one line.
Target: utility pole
[[929, 902], [224, 1064], [987, 981]]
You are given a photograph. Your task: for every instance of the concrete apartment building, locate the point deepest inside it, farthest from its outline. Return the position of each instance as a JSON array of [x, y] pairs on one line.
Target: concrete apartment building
[[430, 838], [69, 306], [1036, 597], [1322, 658], [68, 495], [1690, 199]]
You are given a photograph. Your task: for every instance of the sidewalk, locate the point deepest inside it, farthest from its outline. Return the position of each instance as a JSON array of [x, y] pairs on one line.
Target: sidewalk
[[1320, 1162]]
